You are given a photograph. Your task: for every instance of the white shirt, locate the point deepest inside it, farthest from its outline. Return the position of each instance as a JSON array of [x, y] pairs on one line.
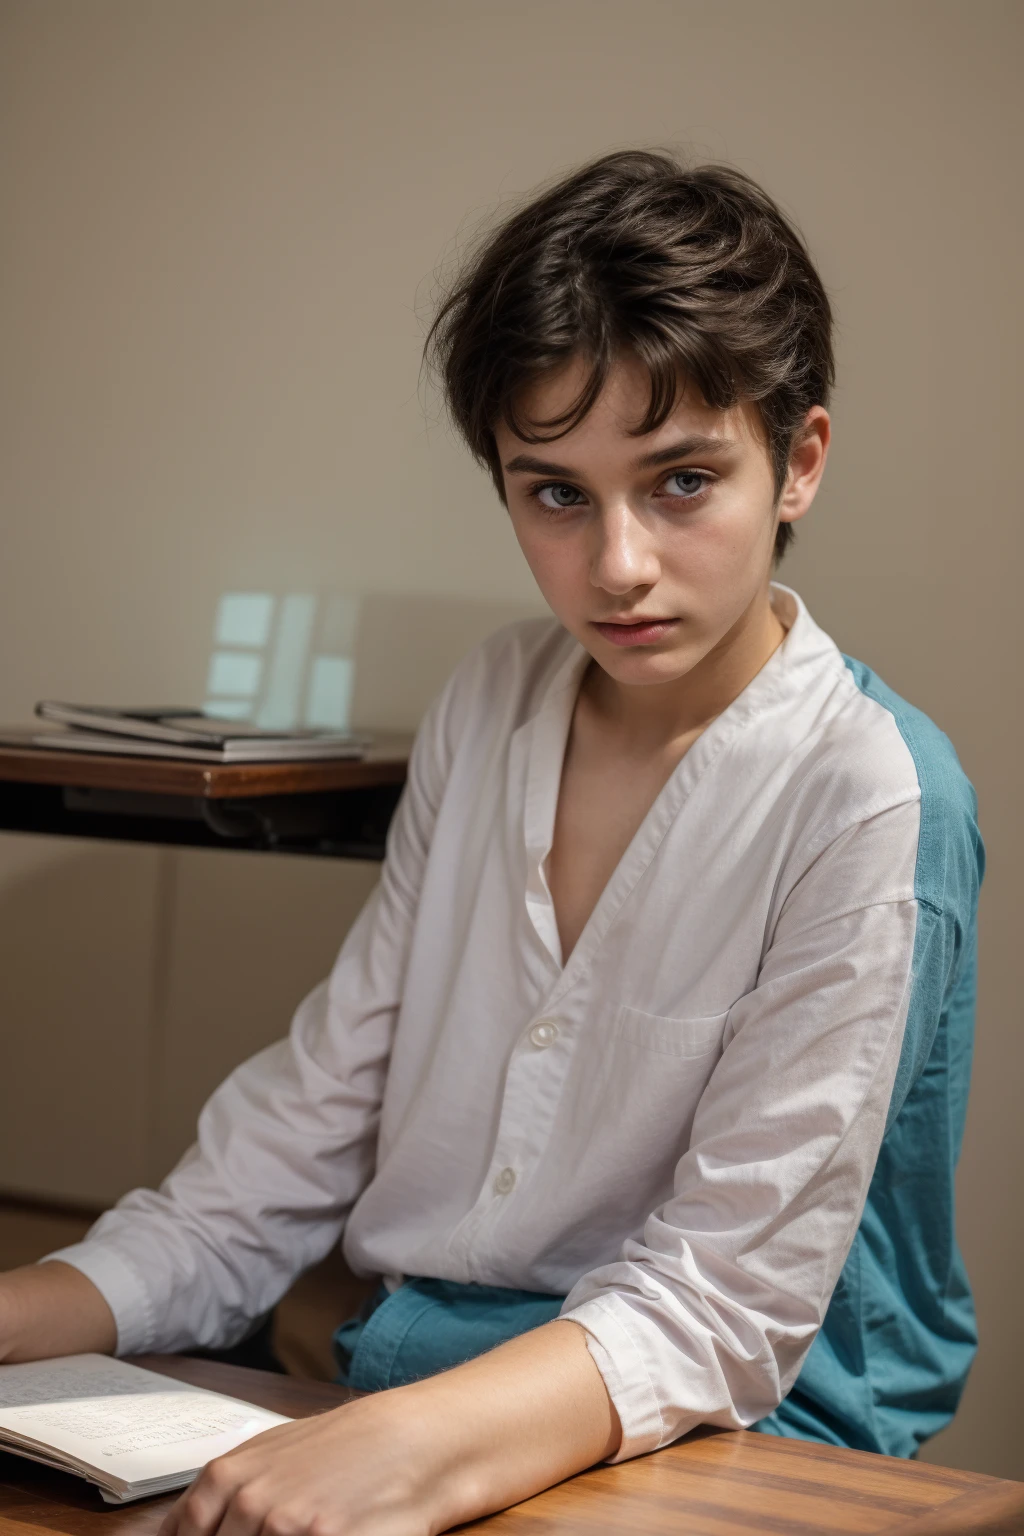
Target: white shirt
[[677, 1127]]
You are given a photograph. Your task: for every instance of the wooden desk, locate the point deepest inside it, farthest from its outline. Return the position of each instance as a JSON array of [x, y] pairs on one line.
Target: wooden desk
[[339, 809], [711, 1484]]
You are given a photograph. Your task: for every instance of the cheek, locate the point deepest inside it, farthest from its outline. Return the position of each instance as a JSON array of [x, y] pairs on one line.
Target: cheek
[[701, 555], [558, 564], [735, 538]]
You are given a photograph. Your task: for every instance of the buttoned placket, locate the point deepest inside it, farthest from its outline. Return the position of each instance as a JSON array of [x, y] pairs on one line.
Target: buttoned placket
[[521, 1131], [547, 1040], [514, 1148]]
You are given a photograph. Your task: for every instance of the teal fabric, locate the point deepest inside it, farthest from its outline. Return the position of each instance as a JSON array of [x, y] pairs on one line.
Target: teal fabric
[[428, 1325], [887, 1368]]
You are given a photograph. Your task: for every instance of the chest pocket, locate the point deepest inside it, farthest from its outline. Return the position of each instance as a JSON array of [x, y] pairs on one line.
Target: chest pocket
[[671, 1037]]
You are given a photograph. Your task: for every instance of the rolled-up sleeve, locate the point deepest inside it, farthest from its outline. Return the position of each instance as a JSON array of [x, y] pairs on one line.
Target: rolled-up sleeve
[[706, 1317], [287, 1143]]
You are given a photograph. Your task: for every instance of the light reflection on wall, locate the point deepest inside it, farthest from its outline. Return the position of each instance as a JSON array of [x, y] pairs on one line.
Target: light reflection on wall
[[283, 660]]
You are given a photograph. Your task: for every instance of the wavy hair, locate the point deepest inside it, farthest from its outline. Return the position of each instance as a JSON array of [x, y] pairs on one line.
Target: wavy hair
[[696, 272]]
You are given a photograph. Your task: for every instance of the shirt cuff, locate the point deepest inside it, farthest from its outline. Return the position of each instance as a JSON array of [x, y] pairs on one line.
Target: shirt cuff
[[621, 1363], [122, 1288]]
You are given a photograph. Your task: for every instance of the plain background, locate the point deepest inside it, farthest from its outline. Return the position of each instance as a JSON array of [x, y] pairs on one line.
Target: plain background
[[222, 223]]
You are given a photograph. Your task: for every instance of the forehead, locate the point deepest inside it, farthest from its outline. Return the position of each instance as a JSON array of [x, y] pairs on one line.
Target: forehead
[[609, 427]]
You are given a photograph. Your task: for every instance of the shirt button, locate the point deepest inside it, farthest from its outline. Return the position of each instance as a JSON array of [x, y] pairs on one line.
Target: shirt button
[[505, 1182], [544, 1034]]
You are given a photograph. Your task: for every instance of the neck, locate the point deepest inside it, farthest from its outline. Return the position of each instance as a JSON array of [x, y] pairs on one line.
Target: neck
[[657, 713]]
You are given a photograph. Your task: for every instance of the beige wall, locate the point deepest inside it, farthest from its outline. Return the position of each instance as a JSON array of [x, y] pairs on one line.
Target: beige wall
[[219, 218]]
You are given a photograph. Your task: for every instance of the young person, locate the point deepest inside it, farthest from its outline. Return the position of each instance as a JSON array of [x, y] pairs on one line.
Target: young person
[[641, 1077]]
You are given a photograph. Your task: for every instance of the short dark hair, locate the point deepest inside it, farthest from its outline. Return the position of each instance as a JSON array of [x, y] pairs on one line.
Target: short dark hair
[[697, 272]]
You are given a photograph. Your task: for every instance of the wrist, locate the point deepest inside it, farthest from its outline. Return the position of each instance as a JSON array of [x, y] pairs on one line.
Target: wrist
[[434, 1468], [431, 1471], [493, 1431], [52, 1309], [19, 1289], [463, 1454], [453, 1457]]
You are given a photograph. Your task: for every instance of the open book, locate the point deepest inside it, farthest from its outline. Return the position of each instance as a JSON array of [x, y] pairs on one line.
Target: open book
[[129, 1431]]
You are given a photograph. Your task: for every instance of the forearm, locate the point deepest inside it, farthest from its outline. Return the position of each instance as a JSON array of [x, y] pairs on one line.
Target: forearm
[[417, 1460], [518, 1419], [52, 1309]]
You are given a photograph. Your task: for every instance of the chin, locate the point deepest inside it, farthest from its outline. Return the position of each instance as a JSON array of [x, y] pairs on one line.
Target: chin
[[636, 668]]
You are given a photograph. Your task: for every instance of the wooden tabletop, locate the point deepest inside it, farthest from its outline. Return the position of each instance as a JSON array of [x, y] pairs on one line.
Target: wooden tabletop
[[385, 763], [710, 1484]]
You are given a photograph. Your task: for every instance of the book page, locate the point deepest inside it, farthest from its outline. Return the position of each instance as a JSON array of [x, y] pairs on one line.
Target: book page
[[126, 1422]]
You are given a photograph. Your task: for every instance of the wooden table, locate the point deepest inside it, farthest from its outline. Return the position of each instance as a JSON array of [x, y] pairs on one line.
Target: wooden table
[[710, 1484], [338, 808]]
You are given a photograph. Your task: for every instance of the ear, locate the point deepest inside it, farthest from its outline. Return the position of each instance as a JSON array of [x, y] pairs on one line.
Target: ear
[[806, 465]]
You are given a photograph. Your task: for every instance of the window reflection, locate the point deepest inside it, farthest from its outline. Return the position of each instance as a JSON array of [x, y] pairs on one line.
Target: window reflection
[[283, 660]]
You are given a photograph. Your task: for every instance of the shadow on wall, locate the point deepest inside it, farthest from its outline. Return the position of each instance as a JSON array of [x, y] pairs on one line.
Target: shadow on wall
[[132, 979]]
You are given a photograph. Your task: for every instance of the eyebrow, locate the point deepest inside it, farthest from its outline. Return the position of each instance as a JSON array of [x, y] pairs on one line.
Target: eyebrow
[[697, 443], [526, 464]]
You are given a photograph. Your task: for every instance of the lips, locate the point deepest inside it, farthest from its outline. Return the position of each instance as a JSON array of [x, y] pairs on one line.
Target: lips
[[643, 632]]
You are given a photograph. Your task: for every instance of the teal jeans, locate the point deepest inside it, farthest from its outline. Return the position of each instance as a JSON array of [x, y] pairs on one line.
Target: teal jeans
[[428, 1325]]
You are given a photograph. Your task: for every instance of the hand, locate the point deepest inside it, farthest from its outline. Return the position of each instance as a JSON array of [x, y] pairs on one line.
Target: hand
[[52, 1309], [416, 1460], [364, 1468]]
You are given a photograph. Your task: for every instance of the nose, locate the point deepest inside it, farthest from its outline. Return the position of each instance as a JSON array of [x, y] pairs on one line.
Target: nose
[[624, 555]]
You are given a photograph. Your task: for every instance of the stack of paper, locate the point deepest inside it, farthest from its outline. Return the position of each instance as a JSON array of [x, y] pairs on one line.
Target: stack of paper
[[188, 733], [129, 1431]]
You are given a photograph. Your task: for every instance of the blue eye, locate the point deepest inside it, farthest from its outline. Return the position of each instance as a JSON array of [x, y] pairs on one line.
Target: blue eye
[[685, 483], [558, 497]]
